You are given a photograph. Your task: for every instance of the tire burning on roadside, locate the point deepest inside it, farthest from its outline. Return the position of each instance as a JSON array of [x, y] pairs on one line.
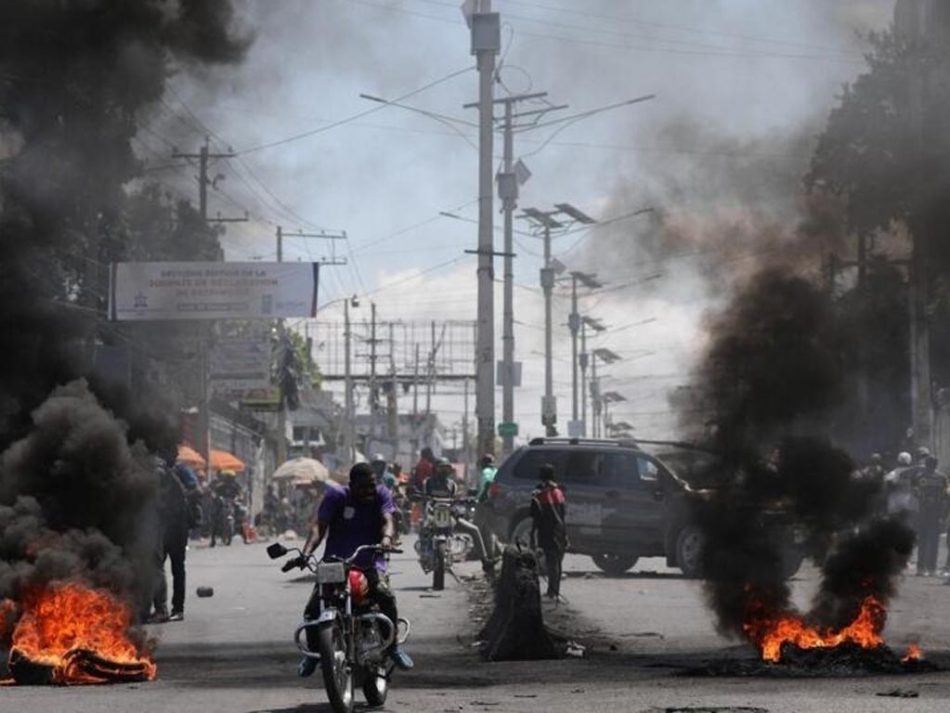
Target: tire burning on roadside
[[775, 373]]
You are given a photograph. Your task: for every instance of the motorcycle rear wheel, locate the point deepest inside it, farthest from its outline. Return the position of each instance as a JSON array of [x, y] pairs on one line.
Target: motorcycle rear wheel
[[375, 686], [438, 570], [337, 672]]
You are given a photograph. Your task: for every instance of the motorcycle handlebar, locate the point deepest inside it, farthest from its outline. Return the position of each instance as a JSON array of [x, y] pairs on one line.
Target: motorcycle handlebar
[[295, 563], [301, 560]]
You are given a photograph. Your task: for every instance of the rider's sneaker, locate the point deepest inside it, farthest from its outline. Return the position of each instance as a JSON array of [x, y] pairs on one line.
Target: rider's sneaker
[[307, 666], [401, 658], [177, 616]]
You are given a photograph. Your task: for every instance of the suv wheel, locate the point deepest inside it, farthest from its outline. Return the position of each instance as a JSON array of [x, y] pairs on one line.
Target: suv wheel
[[614, 565], [689, 551]]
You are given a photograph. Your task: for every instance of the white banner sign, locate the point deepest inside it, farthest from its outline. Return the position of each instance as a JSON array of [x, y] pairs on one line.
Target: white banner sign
[[212, 290], [239, 365]]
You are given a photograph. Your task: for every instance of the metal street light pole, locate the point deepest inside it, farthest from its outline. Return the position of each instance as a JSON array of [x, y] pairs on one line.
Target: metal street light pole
[[508, 190], [347, 388], [582, 361], [547, 283], [486, 42], [573, 323]]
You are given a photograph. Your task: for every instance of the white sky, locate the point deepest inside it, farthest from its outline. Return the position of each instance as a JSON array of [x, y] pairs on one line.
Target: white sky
[[742, 69]]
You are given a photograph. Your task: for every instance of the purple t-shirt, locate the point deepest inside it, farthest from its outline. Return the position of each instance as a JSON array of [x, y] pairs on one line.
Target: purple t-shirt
[[353, 523]]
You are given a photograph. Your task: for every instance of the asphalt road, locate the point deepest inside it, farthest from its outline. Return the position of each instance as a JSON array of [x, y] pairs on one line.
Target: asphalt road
[[233, 652]]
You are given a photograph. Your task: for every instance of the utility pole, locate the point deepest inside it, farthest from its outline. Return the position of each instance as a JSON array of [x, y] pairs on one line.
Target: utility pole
[[594, 398], [573, 322], [582, 361], [348, 386], [373, 395], [546, 222], [318, 235], [203, 156], [508, 192], [465, 439], [203, 425], [486, 43], [508, 183], [549, 407]]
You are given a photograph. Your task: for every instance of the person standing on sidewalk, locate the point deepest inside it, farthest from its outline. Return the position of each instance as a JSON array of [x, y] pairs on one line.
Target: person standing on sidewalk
[[174, 519], [932, 499], [548, 511]]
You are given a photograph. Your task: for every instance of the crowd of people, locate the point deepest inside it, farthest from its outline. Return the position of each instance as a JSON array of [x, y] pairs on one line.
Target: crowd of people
[[915, 490]]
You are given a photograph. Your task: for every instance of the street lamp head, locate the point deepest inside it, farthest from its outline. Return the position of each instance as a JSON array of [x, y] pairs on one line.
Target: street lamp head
[[575, 214], [541, 218], [606, 355], [354, 302], [594, 323], [587, 279]]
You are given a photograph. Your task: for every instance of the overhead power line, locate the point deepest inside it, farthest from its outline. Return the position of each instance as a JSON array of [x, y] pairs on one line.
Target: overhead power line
[[352, 117]]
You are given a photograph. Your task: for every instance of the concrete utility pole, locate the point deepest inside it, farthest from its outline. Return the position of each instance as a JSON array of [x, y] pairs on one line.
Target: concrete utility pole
[[508, 182], [508, 192], [486, 42], [203, 426], [573, 322], [594, 399], [549, 407], [582, 362], [347, 386], [373, 395]]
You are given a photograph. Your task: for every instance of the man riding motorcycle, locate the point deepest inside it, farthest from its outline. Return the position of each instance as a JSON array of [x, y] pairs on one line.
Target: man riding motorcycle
[[349, 517], [441, 484]]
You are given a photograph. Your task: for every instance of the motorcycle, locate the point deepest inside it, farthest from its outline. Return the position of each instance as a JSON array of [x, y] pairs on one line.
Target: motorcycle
[[439, 544], [353, 635], [222, 519]]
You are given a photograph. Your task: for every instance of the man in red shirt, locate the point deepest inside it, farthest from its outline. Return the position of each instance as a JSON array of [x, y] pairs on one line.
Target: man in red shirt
[[548, 510]]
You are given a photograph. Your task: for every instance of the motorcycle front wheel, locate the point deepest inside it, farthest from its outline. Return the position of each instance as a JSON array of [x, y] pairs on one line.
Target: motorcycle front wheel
[[337, 672], [438, 569], [376, 686]]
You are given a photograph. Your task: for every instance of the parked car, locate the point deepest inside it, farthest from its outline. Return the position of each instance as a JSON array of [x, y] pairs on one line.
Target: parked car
[[623, 501]]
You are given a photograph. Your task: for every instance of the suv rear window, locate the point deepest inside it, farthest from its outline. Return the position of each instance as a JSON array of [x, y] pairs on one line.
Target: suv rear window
[[584, 466], [529, 465]]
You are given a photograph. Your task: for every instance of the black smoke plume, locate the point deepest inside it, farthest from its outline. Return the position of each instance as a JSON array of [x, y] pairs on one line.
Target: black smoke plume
[[777, 369], [78, 79]]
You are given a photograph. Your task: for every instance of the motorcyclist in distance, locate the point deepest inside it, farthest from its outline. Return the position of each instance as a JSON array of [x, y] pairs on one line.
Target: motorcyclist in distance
[[441, 484]]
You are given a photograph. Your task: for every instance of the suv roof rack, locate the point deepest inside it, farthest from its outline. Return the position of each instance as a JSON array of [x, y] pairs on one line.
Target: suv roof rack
[[626, 443]]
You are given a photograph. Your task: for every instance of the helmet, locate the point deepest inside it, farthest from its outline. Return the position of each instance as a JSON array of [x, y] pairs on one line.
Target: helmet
[[379, 458], [488, 459], [922, 453], [904, 458]]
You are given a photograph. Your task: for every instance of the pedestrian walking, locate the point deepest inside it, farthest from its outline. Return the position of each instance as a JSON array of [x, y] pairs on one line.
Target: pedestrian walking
[[548, 511], [175, 521], [932, 499]]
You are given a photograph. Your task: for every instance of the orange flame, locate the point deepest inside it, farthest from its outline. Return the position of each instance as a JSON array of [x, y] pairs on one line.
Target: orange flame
[[914, 653], [770, 635], [65, 620]]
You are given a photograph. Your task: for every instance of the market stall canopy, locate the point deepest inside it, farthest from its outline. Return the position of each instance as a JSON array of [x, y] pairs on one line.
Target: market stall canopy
[[189, 456], [299, 469], [222, 460]]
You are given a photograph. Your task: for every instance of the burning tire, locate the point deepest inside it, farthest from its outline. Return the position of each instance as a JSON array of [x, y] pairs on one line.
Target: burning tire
[[337, 674], [613, 564], [690, 542]]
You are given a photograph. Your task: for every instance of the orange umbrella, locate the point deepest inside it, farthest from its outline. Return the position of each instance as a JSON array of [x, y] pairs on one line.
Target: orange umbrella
[[222, 460], [189, 456]]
